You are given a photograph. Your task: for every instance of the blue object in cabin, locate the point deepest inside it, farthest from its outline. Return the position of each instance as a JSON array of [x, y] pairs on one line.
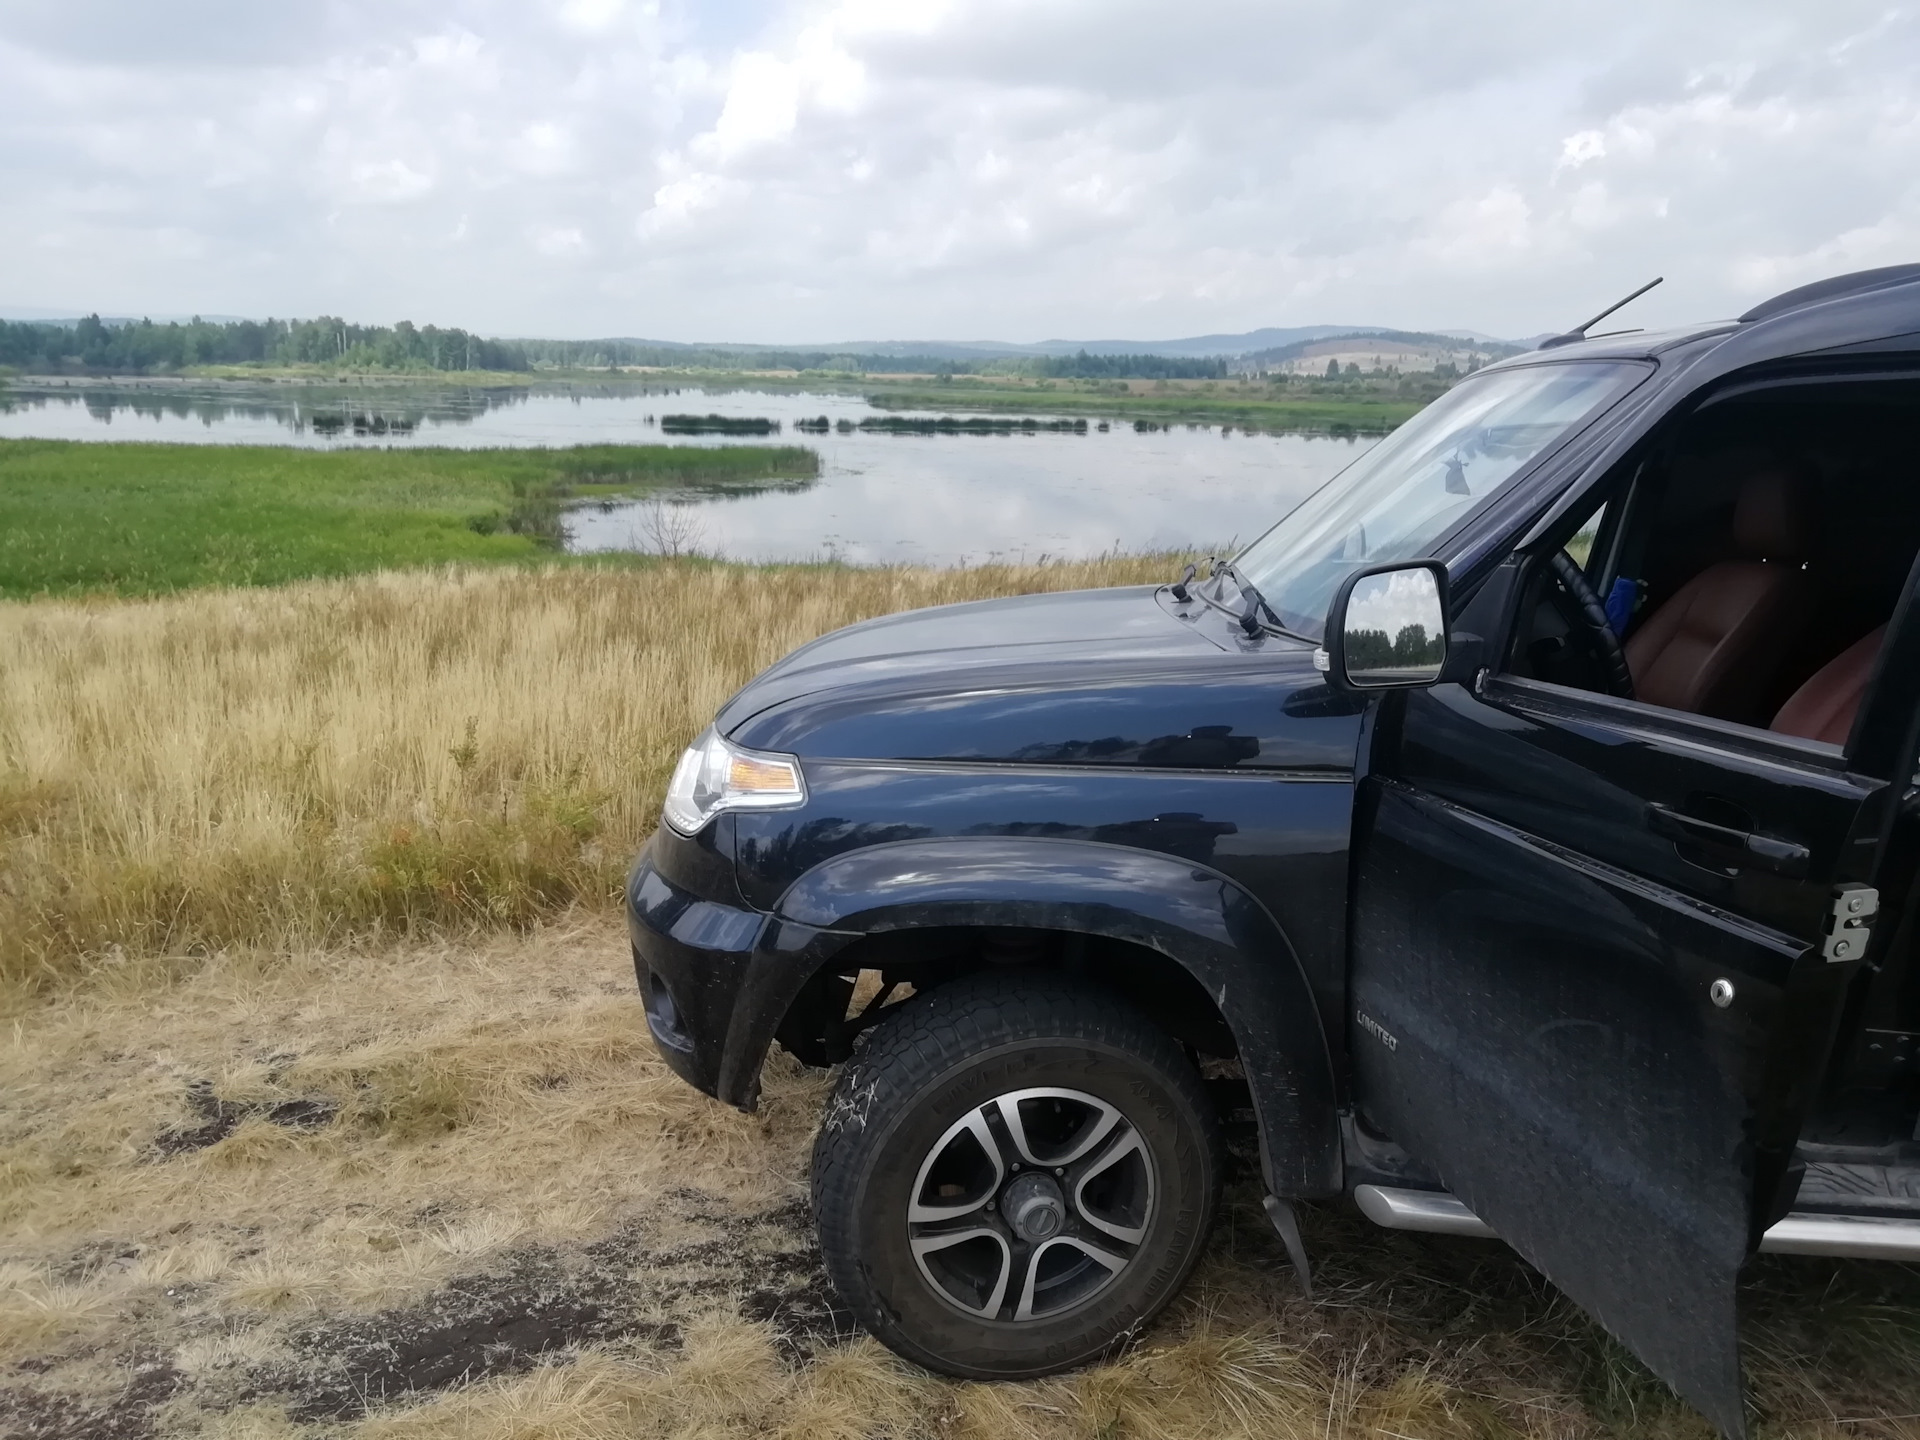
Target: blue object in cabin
[[1620, 603]]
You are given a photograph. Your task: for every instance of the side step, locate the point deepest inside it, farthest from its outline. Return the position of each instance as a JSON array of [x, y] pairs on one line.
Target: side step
[[1865, 1237]]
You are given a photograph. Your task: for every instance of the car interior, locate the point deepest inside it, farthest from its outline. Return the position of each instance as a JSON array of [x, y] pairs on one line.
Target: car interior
[[1745, 565]]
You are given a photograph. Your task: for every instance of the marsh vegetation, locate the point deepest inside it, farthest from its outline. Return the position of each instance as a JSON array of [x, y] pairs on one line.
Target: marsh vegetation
[[968, 425], [1359, 406], [141, 519], [718, 425]]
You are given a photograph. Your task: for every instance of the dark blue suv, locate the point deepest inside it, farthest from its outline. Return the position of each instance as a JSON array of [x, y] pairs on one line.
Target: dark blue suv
[[1503, 833]]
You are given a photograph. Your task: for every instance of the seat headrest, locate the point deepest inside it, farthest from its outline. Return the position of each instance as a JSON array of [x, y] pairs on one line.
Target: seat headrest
[[1773, 515]]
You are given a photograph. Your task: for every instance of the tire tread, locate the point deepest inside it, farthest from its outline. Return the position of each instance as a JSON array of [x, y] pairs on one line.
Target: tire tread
[[933, 1034]]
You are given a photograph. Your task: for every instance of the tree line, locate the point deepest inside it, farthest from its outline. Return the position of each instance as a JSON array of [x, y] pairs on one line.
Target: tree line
[[138, 347], [135, 347], [1082, 366], [614, 354], [598, 354]]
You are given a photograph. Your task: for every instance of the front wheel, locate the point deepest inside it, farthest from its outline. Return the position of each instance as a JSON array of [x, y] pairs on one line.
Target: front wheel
[[1013, 1175]]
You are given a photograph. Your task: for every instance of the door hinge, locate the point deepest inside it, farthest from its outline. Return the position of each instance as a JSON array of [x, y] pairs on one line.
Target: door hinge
[[1850, 921]]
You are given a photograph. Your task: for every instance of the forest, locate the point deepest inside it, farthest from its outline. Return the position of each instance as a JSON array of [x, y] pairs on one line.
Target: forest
[[1082, 366], [598, 354], [138, 347], [128, 347]]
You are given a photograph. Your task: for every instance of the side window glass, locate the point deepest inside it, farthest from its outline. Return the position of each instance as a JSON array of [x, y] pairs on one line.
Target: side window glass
[[1580, 547], [1555, 642], [1765, 540]]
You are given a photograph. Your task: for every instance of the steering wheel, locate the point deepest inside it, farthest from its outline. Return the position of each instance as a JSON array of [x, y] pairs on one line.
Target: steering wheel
[[1591, 622]]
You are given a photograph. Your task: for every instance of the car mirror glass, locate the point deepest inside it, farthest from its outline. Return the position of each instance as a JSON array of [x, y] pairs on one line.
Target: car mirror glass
[[1394, 629]]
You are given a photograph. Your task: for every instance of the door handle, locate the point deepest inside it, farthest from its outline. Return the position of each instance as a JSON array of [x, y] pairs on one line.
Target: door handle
[[1745, 847]]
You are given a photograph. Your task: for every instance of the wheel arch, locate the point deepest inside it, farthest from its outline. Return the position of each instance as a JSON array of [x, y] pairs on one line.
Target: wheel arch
[[1199, 920]]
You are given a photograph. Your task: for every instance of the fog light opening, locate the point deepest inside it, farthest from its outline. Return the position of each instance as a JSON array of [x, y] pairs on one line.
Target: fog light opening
[[663, 1016]]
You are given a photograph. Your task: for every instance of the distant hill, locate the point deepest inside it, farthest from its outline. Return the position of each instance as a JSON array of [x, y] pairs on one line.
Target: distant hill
[[1251, 342], [1371, 350], [1197, 346]]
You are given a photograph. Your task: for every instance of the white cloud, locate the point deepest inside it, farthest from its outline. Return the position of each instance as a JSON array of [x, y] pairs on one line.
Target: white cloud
[[544, 148], [827, 169], [1394, 601], [1486, 231], [679, 201], [388, 181], [561, 242], [1577, 149], [592, 17], [763, 103]]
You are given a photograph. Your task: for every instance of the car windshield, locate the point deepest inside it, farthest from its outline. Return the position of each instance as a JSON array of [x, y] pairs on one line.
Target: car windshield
[[1400, 497]]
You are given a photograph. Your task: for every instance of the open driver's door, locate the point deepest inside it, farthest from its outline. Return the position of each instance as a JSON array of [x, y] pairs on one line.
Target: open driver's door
[[1588, 980]]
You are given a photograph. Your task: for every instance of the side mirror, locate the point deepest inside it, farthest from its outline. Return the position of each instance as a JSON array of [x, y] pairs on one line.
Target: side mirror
[[1387, 628]]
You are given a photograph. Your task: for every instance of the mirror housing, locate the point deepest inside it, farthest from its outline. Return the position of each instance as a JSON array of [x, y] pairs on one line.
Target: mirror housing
[[1387, 628]]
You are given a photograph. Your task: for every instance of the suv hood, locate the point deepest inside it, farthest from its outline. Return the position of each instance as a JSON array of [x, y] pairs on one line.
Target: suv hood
[[1075, 627], [1085, 677]]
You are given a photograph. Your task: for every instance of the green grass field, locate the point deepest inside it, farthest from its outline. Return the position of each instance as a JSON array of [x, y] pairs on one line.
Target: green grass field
[[79, 518]]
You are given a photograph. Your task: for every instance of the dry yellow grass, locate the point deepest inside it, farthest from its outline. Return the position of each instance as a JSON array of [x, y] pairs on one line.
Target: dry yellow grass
[[326, 1106], [422, 748], [506, 1219]]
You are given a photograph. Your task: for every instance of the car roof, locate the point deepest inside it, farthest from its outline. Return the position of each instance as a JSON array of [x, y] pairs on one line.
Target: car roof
[[1831, 314], [1622, 345], [1860, 282]]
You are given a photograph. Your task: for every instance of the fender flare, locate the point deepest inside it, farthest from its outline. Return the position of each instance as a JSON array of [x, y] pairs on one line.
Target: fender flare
[[1197, 917]]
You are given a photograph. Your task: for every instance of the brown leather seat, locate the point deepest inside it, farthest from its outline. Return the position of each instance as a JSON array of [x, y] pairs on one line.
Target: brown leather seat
[[1824, 707], [1715, 647]]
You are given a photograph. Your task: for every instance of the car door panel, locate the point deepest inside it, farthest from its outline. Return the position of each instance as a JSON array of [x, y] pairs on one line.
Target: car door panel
[[1584, 771], [1513, 994], [1533, 968]]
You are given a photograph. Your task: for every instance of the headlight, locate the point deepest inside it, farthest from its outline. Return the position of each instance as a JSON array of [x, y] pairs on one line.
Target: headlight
[[714, 776]]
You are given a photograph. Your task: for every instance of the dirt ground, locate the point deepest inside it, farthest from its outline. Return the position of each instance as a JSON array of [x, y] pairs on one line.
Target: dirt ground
[[447, 1190]]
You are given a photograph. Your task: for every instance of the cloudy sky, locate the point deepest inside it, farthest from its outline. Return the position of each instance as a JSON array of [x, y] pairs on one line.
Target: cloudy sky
[[1016, 169]]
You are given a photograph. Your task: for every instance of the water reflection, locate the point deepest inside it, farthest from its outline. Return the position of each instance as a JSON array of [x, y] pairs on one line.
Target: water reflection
[[923, 489], [281, 414]]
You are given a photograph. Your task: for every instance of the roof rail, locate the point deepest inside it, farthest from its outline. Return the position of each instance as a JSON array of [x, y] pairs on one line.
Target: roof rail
[[1859, 282]]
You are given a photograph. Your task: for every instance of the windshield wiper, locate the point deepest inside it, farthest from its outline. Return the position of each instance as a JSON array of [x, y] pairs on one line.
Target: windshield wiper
[[1255, 602]]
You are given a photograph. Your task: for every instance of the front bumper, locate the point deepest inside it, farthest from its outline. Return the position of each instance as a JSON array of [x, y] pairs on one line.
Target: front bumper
[[715, 976]]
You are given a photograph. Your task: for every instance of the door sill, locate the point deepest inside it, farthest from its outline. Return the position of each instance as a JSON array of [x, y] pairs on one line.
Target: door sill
[[1865, 1237]]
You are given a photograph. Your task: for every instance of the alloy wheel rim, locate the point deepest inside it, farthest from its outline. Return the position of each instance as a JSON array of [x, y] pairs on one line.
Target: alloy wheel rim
[[1031, 1204]]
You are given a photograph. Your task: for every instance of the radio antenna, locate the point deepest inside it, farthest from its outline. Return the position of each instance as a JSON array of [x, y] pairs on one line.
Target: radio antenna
[[1579, 332]]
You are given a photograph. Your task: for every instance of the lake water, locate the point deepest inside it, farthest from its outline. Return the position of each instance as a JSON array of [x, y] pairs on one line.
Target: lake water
[[880, 498]]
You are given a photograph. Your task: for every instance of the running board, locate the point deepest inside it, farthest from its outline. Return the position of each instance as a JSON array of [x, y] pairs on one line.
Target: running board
[[1431, 1210], [1865, 1237]]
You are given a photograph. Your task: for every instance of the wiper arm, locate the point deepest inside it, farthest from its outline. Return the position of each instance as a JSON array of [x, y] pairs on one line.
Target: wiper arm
[[1254, 601], [1250, 597]]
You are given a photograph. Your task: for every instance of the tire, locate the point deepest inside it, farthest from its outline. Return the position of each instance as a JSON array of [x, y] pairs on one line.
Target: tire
[[915, 1130]]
